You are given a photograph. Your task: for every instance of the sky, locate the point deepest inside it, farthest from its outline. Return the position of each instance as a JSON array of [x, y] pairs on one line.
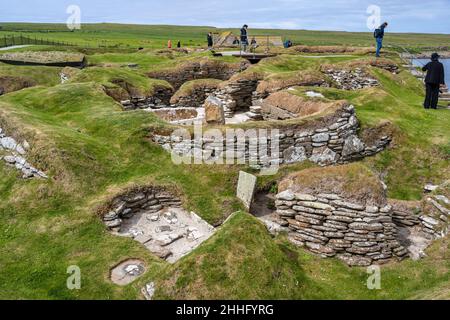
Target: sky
[[425, 16]]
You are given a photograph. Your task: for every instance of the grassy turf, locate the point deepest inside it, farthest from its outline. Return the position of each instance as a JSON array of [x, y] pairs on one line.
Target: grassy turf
[[156, 36], [92, 150]]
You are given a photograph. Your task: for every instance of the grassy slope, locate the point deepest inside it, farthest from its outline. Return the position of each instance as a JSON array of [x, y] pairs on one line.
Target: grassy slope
[[47, 76], [96, 149], [243, 262], [157, 36]]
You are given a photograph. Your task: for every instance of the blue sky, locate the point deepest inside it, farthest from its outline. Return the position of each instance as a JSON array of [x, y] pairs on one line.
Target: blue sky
[[431, 16]]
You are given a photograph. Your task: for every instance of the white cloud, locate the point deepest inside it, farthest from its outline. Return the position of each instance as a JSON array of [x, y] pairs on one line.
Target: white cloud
[[349, 15]]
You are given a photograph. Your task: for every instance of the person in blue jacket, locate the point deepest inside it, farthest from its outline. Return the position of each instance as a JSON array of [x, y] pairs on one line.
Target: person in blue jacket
[[379, 35]]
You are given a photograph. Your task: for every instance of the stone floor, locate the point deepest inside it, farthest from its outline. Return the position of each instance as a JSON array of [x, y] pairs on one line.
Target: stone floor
[[170, 234], [128, 271]]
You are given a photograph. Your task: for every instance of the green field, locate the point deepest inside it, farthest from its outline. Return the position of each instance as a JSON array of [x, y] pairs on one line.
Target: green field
[[147, 36], [91, 149]]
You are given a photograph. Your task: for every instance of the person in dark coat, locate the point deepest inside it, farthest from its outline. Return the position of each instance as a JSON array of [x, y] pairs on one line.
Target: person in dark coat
[[244, 37], [379, 36], [210, 40], [434, 79], [179, 44]]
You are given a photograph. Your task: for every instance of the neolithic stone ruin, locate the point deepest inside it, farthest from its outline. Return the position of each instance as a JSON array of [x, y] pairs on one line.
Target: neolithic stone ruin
[[14, 155], [155, 218], [351, 80], [204, 69], [328, 140], [350, 218]]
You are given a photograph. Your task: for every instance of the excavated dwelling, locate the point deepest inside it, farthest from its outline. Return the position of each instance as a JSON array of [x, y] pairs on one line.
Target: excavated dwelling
[[343, 212], [154, 217]]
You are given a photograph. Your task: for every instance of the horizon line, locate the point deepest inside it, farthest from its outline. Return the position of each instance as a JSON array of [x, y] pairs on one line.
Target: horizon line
[[205, 26]]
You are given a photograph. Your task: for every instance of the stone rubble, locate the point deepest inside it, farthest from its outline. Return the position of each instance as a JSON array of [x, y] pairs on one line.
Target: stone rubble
[[14, 154], [351, 80], [149, 291]]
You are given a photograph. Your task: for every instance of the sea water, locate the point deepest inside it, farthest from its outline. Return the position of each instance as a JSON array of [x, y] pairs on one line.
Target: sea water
[[446, 62]]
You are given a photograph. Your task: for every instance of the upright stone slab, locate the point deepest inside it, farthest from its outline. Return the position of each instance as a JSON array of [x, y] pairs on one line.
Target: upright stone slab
[[246, 188], [214, 111]]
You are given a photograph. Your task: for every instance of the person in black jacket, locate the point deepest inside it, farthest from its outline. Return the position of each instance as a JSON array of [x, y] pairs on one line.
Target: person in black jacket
[[434, 79], [210, 40]]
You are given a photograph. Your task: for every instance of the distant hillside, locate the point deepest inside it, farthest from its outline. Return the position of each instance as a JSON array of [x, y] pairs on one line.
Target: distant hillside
[[157, 35]]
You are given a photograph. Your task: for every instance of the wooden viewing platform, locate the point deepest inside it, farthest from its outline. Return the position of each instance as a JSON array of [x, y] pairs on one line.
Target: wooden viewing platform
[[252, 57]]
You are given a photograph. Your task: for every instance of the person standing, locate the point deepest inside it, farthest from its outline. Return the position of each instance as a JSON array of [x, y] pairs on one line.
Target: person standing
[[434, 79], [169, 44], [210, 40], [244, 37], [179, 44], [379, 36]]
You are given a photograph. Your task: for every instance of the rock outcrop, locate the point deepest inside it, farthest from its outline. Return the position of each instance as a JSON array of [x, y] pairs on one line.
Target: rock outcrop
[[14, 154]]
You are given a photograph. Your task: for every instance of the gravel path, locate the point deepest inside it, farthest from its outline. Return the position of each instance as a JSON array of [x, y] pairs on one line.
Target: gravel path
[[15, 47]]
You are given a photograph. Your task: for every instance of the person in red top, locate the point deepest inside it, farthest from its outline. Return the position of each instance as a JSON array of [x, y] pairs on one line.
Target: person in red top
[[169, 44]]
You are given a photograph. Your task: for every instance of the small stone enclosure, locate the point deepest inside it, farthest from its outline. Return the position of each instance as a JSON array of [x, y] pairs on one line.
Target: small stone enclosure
[[154, 217]]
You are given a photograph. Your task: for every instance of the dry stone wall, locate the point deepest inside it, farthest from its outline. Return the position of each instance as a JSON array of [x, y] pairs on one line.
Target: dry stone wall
[[331, 226], [330, 140], [205, 69], [150, 200], [14, 154], [160, 99], [431, 216], [236, 95]]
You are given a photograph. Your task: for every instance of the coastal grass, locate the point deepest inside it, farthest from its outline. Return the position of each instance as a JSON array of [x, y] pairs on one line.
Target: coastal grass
[[92, 149], [156, 36]]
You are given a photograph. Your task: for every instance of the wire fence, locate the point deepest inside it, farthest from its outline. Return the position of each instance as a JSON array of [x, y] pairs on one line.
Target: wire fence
[[13, 40]]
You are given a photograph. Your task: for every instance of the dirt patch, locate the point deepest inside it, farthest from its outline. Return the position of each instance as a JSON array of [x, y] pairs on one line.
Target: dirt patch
[[331, 49], [10, 84], [371, 136], [175, 114], [352, 182]]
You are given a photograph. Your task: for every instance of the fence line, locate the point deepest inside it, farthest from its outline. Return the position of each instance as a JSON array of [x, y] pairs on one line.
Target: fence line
[[12, 40]]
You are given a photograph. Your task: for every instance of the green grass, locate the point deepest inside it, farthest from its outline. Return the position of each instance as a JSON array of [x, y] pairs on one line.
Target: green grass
[[243, 262], [93, 150], [156, 36], [46, 76]]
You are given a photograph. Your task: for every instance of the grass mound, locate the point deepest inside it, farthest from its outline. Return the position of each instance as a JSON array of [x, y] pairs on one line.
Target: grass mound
[[121, 83], [44, 57], [353, 182]]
